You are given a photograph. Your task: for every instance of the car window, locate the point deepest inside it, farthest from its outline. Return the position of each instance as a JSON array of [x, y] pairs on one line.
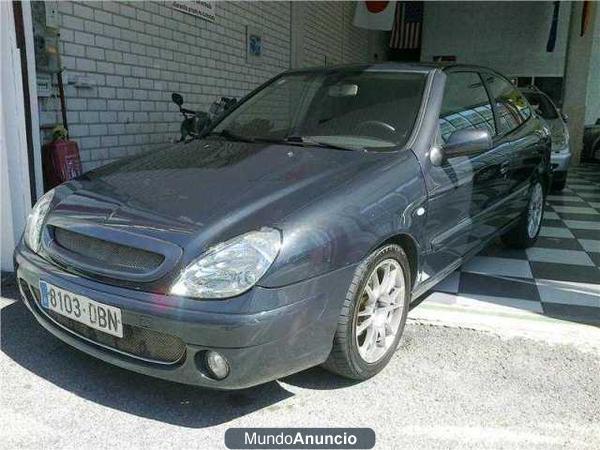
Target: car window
[[510, 106], [542, 105], [383, 107], [465, 105], [349, 108]]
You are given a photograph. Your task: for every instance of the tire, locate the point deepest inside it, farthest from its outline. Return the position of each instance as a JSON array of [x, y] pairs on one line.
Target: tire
[[522, 235], [348, 356]]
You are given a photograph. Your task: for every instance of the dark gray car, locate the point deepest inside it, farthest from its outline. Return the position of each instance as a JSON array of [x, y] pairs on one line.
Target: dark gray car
[[295, 232]]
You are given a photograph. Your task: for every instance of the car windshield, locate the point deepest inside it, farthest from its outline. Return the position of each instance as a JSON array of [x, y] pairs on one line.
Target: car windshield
[[340, 109], [542, 105]]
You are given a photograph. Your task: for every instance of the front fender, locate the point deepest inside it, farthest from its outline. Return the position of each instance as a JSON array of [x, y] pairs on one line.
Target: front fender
[[345, 225]]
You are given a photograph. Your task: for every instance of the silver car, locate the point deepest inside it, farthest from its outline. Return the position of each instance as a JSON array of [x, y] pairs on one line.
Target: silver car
[[557, 122]]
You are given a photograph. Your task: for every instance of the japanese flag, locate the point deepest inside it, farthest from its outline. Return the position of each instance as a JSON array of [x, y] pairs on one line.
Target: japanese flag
[[374, 15]]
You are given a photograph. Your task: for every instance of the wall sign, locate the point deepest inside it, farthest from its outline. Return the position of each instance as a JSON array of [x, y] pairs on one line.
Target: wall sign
[[203, 9], [254, 44]]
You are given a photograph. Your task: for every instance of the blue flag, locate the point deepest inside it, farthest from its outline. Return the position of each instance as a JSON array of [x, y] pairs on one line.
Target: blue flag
[[552, 37]]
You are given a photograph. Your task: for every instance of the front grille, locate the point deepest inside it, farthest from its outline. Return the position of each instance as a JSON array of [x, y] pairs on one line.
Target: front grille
[[108, 253], [137, 342]]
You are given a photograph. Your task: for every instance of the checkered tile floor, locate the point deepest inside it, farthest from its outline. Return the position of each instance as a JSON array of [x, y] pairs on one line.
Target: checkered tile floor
[[558, 277]]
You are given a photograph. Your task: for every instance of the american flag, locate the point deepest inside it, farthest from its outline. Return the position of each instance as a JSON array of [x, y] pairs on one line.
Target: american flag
[[406, 33]]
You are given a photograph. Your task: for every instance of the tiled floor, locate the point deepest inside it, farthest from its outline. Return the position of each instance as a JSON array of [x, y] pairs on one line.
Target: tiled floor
[[559, 276]]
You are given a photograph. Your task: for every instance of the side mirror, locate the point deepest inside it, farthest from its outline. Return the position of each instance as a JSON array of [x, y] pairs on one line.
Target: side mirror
[[463, 142], [467, 142], [177, 99]]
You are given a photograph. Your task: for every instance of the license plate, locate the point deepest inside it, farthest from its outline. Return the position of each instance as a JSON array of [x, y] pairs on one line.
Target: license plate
[[82, 309]]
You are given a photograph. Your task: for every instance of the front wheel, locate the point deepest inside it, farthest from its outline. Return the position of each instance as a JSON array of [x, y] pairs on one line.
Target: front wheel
[[526, 231], [373, 315]]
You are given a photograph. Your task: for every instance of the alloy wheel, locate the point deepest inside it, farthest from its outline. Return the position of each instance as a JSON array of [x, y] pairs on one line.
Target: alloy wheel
[[535, 209], [381, 305]]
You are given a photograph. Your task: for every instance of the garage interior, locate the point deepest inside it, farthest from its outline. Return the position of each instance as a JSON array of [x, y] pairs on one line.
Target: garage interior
[[119, 62]]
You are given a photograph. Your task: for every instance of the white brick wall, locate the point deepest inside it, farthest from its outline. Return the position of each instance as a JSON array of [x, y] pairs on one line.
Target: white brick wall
[[137, 53], [330, 37]]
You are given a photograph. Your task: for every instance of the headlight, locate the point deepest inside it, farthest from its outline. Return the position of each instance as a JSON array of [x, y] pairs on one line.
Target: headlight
[[566, 138], [230, 268], [33, 229], [561, 144]]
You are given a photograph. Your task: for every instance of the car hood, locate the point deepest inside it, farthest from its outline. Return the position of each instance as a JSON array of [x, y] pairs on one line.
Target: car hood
[[209, 190]]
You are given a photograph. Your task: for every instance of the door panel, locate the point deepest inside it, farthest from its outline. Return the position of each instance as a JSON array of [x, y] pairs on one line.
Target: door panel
[[515, 132], [464, 189], [461, 189], [526, 154], [494, 184]]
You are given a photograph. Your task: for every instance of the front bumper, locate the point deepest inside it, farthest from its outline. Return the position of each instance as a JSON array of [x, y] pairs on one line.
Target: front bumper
[[264, 334], [560, 161]]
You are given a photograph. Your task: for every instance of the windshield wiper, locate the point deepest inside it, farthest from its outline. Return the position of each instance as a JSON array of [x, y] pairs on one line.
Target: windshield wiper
[[293, 140], [231, 136], [305, 141]]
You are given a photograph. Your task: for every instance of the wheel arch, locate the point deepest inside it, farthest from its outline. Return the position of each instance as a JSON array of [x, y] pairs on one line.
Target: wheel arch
[[546, 179], [411, 248], [544, 174]]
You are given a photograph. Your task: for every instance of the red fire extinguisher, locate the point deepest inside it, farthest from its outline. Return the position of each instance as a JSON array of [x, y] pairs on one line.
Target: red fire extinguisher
[[61, 159]]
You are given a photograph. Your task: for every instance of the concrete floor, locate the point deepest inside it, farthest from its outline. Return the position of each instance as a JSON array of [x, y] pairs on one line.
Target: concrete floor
[[445, 387]]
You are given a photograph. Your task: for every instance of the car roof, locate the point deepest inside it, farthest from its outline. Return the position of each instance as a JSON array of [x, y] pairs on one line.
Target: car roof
[[418, 67]]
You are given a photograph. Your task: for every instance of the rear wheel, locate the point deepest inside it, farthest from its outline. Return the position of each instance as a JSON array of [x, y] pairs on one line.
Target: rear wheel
[[526, 231], [373, 315]]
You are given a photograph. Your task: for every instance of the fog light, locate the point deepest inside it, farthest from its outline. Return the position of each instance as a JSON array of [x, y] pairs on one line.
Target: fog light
[[217, 365]]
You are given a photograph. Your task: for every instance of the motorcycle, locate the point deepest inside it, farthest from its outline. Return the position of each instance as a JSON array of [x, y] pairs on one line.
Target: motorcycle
[[196, 122]]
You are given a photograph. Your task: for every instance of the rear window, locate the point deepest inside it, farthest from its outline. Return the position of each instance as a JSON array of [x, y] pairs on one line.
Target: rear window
[[465, 105], [510, 106]]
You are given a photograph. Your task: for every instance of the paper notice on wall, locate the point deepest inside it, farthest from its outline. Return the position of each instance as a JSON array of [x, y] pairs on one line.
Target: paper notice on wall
[[203, 9]]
